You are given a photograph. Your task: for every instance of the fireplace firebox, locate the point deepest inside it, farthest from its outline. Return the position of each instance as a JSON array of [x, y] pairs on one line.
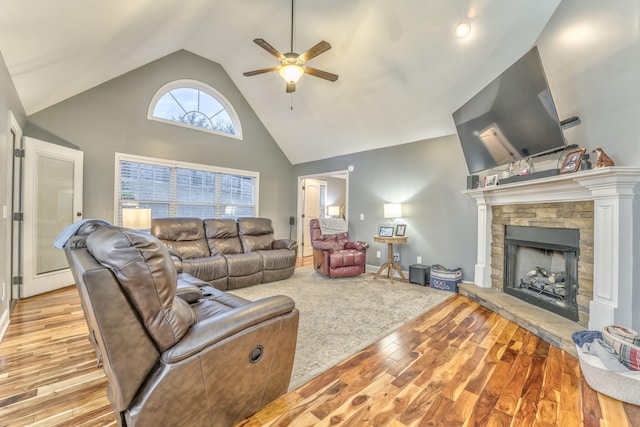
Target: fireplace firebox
[[541, 267]]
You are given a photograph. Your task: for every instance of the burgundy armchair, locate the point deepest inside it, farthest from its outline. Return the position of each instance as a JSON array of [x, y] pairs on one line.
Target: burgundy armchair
[[334, 255]]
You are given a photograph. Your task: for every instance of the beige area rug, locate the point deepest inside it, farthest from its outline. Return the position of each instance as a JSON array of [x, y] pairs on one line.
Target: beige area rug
[[339, 317]]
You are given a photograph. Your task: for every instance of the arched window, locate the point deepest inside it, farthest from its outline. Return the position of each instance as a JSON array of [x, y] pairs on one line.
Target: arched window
[[195, 105]]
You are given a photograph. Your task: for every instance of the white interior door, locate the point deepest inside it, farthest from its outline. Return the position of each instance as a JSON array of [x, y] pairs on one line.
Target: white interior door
[[52, 200], [311, 207]]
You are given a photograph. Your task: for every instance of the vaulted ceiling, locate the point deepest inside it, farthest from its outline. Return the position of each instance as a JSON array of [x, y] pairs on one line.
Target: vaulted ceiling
[[402, 70]]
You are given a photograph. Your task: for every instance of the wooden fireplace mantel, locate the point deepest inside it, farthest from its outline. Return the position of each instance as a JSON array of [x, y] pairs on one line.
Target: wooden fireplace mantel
[[614, 191]]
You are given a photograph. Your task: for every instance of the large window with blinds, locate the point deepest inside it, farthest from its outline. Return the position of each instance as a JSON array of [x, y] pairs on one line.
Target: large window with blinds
[[178, 189]]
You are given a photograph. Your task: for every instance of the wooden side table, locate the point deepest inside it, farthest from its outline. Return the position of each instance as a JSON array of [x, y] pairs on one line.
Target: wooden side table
[[390, 265]]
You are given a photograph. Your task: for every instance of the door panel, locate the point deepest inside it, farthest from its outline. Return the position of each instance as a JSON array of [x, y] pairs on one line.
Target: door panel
[[311, 208], [52, 200]]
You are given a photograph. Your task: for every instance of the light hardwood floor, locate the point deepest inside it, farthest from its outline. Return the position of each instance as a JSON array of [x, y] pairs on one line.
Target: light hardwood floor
[[459, 364]]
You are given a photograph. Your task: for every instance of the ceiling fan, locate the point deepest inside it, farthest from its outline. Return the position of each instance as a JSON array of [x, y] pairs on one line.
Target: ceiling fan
[[292, 66]]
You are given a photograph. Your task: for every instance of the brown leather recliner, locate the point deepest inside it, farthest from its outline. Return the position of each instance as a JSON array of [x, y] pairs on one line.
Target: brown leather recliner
[[334, 255], [175, 353]]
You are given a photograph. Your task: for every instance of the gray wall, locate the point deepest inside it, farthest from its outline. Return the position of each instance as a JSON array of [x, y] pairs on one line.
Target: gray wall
[[427, 178], [112, 118], [590, 50], [9, 102]]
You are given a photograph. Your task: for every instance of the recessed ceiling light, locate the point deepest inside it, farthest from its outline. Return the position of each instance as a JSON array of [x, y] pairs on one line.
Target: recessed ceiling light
[[463, 29]]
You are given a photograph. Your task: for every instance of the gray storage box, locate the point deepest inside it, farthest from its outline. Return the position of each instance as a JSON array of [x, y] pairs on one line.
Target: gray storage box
[[444, 278], [419, 274]]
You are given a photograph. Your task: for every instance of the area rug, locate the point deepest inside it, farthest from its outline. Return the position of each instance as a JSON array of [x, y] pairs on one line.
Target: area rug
[[339, 317]]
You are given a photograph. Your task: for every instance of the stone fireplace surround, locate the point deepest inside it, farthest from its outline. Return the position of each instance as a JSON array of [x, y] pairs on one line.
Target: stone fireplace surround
[[614, 194], [576, 215]]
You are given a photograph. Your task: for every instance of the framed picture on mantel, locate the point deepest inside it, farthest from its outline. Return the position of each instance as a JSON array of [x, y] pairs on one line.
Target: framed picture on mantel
[[572, 160], [491, 180]]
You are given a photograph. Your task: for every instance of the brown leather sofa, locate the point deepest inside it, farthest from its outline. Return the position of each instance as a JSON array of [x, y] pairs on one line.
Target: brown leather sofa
[[227, 253], [334, 255], [204, 358]]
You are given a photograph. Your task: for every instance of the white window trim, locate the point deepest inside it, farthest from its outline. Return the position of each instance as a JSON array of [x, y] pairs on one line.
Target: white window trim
[[174, 163], [194, 84]]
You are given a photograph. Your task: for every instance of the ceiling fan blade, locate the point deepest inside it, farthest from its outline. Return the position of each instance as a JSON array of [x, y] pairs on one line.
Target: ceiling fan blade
[[266, 46], [322, 74], [264, 70], [291, 87], [316, 50]]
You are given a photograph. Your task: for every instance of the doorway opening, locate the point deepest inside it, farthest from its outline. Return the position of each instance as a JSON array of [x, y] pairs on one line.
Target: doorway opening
[[320, 195]]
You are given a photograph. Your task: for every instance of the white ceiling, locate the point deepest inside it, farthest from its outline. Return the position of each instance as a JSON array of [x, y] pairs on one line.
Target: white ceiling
[[402, 70]]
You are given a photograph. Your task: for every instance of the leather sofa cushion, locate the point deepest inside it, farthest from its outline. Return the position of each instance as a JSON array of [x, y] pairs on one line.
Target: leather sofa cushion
[[256, 234], [222, 236], [244, 264], [207, 269], [256, 243], [254, 226], [278, 259], [186, 236], [148, 276]]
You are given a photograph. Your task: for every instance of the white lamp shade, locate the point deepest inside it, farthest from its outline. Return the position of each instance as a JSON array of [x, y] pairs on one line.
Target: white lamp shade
[[333, 210], [291, 73], [137, 219], [392, 210]]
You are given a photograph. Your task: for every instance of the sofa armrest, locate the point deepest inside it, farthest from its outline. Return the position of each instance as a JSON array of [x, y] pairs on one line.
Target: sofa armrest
[[284, 244], [360, 246], [208, 332]]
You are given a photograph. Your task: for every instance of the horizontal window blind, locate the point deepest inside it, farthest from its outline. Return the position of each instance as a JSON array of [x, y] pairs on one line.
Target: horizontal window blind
[[178, 189]]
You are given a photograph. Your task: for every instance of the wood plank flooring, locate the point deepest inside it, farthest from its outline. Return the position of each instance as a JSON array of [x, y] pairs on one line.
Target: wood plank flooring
[[459, 365]]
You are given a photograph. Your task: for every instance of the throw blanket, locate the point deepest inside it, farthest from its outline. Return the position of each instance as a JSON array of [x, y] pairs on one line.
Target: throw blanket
[[332, 225], [71, 230]]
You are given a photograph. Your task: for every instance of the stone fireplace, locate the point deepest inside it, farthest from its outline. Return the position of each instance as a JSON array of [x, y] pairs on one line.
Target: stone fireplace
[[564, 226], [600, 206]]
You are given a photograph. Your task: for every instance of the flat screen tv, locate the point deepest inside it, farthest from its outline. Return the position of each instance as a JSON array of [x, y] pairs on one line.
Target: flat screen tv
[[512, 118]]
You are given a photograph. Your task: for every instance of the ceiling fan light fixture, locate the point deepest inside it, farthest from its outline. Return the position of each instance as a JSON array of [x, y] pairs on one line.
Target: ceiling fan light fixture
[[291, 73]]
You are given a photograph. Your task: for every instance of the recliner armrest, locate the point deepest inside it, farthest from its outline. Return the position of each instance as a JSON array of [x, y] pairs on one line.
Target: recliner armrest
[[326, 245], [210, 331], [188, 291], [360, 246]]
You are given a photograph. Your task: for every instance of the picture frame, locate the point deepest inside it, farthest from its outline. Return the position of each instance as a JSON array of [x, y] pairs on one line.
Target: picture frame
[[572, 160], [401, 230], [491, 180], [386, 230]]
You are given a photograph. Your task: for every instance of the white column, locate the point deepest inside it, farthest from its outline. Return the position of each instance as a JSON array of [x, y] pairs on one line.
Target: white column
[[483, 264], [613, 254]]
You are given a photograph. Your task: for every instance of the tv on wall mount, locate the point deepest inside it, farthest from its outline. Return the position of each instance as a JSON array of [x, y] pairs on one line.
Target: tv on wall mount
[[512, 118]]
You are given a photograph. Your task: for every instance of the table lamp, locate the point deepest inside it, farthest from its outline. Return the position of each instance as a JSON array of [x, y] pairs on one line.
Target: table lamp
[[392, 211], [333, 211], [136, 218]]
